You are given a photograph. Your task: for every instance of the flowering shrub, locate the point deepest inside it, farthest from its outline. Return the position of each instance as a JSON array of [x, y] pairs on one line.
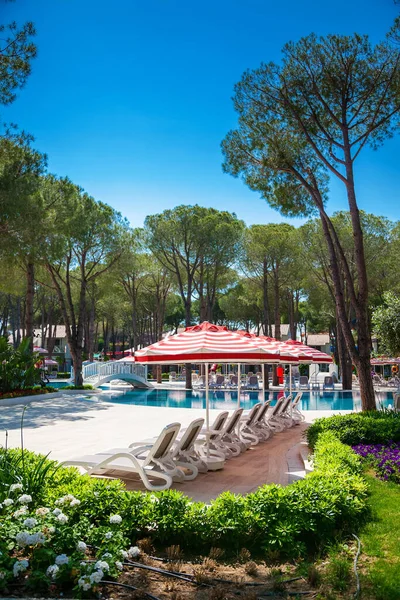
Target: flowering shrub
[[385, 458], [52, 548], [73, 532]]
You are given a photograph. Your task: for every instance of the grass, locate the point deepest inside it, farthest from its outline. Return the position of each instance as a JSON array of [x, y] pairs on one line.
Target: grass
[[380, 559]]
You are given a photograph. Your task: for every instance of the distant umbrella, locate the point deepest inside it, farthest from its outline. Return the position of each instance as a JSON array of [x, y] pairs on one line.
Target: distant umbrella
[[40, 350]]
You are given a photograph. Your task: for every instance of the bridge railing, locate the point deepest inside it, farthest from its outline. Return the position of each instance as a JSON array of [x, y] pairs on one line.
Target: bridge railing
[[91, 369], [114, 368]]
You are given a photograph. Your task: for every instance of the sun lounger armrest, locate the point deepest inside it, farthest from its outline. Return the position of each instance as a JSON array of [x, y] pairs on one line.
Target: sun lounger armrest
[[149, 443], [141, 449]]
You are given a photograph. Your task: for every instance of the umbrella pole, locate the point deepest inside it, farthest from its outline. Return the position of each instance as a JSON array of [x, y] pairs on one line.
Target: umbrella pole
[[290, 380], [238, 400], [263, 382], [207, 413]]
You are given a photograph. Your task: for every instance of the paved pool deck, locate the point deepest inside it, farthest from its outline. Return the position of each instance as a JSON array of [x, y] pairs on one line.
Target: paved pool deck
[[71, 426]]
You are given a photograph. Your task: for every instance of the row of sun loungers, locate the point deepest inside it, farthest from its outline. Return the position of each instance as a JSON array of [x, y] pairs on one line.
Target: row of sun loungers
[[221, 382], [177, 454]]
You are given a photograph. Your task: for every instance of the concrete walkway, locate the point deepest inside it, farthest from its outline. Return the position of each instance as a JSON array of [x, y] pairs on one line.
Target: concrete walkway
[[67, 427]]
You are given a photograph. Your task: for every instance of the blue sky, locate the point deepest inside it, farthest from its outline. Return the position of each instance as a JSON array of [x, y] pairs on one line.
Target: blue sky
[[131, 99]]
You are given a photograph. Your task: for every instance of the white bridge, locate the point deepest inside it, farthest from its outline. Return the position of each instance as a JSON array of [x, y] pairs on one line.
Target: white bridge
[[97, 373]]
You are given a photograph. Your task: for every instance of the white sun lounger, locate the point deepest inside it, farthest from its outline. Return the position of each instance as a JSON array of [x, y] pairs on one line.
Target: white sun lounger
[[214, 447], [297, 415], [183, 453], [276, 418], [148, 461], [260, 425], [231, 443], [247, 432]]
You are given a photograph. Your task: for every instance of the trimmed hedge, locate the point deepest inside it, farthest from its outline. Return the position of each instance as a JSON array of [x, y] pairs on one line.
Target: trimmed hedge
[[375, 427], [294, 520]]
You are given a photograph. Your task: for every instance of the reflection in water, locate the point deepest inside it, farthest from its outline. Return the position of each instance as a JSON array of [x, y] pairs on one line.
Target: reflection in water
[[228, 399]]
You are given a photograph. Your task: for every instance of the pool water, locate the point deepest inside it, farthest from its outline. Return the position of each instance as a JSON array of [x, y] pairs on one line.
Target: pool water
[[227, 400]]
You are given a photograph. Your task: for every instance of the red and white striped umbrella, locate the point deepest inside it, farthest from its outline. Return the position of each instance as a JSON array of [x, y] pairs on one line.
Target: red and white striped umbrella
[[285, 353], [316, 355], [207, 343]]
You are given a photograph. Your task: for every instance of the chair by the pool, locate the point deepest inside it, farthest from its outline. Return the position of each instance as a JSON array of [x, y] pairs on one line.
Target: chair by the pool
[[148, 461], [252, 383], [260, 425], [199, 383], [218, 383], [297, 415], [328, 383], [304, 384], [285, 414], [233, 382], [212, 436], [247, 431], [287, 382], [184, 452], [277, 419], [378, 380], [232, 444]]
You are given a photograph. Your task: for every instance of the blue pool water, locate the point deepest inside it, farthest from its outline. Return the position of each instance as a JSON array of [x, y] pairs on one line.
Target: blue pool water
[[58, 384], [227, 400]]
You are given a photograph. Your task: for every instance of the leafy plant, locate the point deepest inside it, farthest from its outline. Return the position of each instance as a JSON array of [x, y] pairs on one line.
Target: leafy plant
[[375, 427], [17, 366]]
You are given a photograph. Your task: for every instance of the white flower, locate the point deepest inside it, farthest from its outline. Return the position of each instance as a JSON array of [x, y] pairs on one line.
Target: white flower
[[8, 502], [124, 554], [97, 576], [62, 559], [42, 511], [16, 486], [75, 502], [62, 518], [30, 522], [84, 584], [154, 498], [116, 519], [102, 565], [52, 529], [81, 546], [108, 535], [119, 565], [83, 564], [20, 566], [20, 512], [133, 551], [2, 575], [52, 571], [107, 555], [24, 538], [57, 511], [25, 499]]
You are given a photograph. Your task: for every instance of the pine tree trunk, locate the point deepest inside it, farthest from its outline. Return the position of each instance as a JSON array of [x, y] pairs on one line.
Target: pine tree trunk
[[30, 294], [345, 361], [77, 363]]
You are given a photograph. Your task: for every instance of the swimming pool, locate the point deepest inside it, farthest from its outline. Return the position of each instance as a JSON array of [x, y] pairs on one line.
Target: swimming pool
[[227, 400]]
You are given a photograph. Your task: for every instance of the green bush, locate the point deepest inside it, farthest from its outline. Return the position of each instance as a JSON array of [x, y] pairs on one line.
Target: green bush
[[17, 366], [63, 375], [85, 386], [375, 427], [287, 521]]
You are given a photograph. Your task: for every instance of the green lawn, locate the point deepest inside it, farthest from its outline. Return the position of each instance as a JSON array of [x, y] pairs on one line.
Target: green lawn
[[380, 559]]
